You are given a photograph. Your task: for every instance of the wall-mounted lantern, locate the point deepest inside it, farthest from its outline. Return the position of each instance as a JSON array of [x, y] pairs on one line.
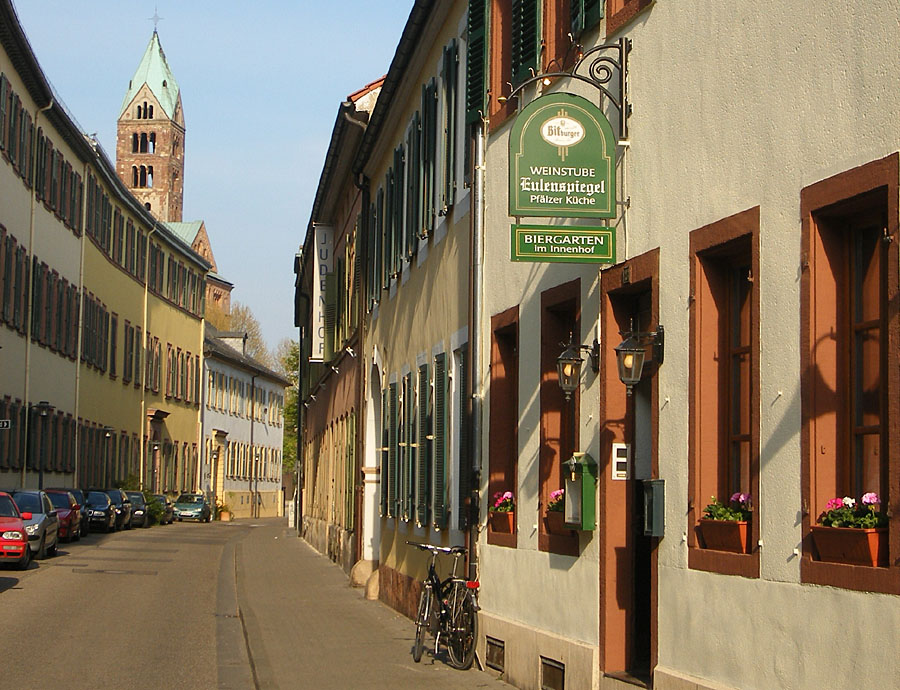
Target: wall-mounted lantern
[[568, 364], [632, 352]]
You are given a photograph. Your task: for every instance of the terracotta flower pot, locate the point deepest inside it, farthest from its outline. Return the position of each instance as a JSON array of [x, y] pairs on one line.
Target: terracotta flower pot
[[555, 523], [224, 516], [853, 545], [725, 535], [503, 523]]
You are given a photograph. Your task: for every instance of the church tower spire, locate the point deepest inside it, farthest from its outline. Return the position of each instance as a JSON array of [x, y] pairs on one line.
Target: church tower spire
[[150, 140]]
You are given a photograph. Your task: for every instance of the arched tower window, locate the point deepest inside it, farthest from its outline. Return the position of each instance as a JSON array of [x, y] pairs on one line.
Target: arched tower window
[[147, 206], [134, 175], [152, 142], [150, 176], [134, 143], [143, 142], [150, 116], [143, 180]]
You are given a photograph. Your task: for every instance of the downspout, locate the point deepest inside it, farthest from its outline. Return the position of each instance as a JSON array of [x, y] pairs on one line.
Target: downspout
[[28, 316], [143, 420], [78, 341], [252, 447], [475, 340], [198, 382]]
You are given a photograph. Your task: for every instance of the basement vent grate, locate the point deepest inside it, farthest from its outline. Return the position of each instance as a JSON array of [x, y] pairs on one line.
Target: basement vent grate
[[495, 654], [553, 674]]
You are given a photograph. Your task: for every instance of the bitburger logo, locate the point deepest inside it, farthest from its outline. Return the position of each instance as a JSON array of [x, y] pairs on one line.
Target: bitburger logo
[[562, 132]]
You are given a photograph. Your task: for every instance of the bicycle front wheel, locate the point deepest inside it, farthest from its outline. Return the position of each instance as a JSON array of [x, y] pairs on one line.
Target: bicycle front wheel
[[422, 616], [463, 632]]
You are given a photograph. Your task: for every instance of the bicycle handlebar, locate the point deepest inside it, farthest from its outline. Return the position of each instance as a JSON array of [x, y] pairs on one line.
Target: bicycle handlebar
[[456, 550]]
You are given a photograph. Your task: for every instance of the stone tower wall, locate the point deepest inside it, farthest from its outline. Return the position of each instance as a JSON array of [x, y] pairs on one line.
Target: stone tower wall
[[166, 197]]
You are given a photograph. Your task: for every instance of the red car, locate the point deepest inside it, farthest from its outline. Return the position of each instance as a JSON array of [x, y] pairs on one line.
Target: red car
[[69, 513], [13, 538]]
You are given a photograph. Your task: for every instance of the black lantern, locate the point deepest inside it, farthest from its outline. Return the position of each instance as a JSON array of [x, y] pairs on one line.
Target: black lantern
[[568, 365], [632, 352]]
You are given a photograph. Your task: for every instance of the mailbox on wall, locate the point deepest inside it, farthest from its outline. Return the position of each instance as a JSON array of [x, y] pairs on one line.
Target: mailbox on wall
[[580, 482], [654, 507]]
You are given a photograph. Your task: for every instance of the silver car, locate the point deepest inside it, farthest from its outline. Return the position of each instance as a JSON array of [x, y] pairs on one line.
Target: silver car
[[43, 527]]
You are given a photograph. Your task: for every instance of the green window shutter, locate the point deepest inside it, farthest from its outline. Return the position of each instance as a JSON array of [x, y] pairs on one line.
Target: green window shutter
[[393, 448], [525, 39], [441, 418], [449, 78], [4, 96], [586, 14], [423, 454], [403, 512], [397, 208], [413, 177], [385, 242], [476, 60], [465, 463], [374, 263], [330, 313], [390, 228], [410, 420], [383, 455]]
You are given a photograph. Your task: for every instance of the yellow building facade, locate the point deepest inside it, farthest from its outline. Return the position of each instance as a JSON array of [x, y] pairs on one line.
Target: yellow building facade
[[101, 306]]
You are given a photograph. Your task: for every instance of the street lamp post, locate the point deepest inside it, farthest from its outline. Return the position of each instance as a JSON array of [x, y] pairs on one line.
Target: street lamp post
[[107, 434], [43, 408]]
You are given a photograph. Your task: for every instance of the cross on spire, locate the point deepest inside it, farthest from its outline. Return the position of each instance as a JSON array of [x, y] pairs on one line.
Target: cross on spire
[[155, 19]]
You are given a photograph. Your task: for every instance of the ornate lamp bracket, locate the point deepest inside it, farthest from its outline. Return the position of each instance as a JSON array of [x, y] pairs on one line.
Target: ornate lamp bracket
[[598, 67]]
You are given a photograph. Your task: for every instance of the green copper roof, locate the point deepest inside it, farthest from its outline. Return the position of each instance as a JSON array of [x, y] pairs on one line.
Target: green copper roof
[[154, 71], [186, 232]]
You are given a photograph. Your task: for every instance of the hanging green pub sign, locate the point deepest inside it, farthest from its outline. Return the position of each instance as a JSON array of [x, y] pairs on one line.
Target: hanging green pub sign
[[562, 160]]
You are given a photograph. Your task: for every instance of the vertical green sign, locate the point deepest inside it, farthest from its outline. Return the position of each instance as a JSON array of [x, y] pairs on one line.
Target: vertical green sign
[[562, 160]]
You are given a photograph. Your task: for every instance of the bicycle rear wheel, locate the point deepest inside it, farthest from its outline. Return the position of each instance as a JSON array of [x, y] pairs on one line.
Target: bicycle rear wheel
[[423, 614], [463, 633]]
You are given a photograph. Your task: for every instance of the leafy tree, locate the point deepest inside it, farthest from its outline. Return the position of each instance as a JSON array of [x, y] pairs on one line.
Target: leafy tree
[[288, 363], [241, 319]]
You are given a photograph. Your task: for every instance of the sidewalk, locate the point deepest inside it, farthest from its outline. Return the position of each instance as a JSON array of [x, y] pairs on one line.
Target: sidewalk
[[307, 628]]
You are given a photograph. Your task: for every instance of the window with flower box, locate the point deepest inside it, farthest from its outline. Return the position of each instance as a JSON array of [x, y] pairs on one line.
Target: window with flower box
[[850, 402], [724, 395], [503, 442]]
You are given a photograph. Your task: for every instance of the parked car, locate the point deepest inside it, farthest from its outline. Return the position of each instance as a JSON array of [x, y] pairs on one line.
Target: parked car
[[101, 511], [69, 513], [192, 507], [13, 537], [123, 507], [168, 509], [43, 526], [140, 516], [82, 505]]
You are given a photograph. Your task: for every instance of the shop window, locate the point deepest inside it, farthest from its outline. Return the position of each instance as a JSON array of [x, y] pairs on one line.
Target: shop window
[[724, 393], [849, 402], [560, 316], [504, 413]]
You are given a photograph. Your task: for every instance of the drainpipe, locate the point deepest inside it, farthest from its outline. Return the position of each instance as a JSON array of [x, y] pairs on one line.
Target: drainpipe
[[475, 340], [252, 447], [144, 382], [30, 306]]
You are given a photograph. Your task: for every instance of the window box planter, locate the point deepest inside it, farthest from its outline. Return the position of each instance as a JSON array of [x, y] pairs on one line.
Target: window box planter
[[853, 545], [555, 523], [224, 516], [502, 523], [725, 535]]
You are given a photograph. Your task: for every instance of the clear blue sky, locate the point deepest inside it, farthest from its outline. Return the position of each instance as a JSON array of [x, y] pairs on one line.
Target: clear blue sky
[[260, 82]]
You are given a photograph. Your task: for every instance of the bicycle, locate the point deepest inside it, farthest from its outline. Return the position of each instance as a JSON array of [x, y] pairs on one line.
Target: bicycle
[[447, 608]]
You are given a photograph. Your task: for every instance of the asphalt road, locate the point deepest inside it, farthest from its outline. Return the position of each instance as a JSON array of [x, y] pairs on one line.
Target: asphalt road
[[244, 605]]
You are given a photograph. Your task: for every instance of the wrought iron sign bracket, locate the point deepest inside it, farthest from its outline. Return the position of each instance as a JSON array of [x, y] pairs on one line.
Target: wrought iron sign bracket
[[597, 67]]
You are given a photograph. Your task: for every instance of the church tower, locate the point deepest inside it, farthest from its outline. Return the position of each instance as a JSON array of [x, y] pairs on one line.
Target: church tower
[[150, 141]]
